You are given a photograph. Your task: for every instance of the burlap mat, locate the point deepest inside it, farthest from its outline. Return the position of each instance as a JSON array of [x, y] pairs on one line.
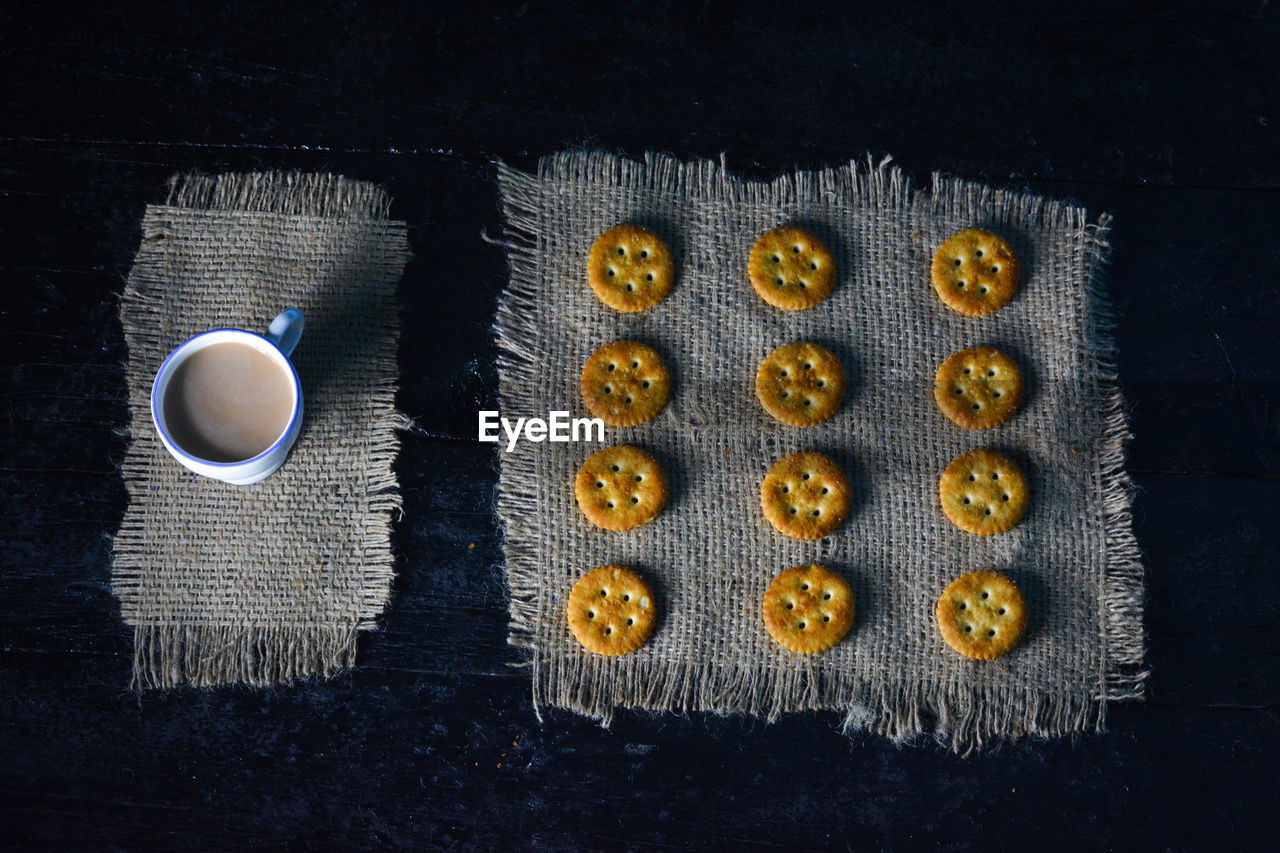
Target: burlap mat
[[711, 554], [264, 583]]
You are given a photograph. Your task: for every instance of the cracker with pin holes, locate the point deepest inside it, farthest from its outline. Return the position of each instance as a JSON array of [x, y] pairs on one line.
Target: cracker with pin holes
[[791, 269], [805, 496], [983, 492], [611, 610], [978, 388], [620, 488], [625, 383], [808, 609], [800, 384], [981, 615], [629, 268], [975, 272]]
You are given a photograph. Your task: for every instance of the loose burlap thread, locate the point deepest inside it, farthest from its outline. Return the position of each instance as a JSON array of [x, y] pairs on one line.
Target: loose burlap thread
[[711, 554], [264, 583]]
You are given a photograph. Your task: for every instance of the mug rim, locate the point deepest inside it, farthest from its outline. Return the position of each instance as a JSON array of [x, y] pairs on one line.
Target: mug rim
[[173, 446]]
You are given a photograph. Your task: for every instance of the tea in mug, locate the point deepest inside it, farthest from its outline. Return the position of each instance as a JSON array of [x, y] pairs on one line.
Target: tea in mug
[[228, 402]]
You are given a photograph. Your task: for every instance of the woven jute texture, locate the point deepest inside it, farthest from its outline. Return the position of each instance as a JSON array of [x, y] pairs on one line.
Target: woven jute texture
[[264, 583], [711, 554]]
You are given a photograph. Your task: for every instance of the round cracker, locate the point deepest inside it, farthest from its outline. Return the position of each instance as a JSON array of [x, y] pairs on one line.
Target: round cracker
[[625, 383], [975, 272], [983, 492], [791, 269], [620, 488], [981, 615], [805, 496], [808, 609], [800, 384], [629, 268], [611, 610], [978, 388]]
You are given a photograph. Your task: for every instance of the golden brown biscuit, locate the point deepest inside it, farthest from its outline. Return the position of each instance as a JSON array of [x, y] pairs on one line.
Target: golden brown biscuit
[[981, 615], [808, 609], [620, 488], [625, 383], [791, 269], [975, 272], [805, 496], [611, 610], [800, 384], [978, 388], [629, 268], [983, 492]]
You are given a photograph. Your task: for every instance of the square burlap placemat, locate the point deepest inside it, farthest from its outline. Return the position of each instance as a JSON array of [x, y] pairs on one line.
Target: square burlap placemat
[[264, 583], [711, 554]]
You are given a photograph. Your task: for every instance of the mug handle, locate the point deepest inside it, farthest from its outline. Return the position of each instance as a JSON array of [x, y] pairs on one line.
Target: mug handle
[[285, 330]]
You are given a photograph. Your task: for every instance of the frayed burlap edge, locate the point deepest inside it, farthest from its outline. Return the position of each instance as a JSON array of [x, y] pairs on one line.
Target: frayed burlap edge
[[901, 711], [169, 655], [295, 193], [166, 656], [1123, 639]]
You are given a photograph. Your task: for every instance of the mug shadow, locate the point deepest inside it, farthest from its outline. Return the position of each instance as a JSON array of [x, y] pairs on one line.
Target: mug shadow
[[346, 351]]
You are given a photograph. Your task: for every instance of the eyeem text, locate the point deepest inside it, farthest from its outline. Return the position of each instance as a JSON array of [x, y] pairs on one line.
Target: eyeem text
[[557, 427]]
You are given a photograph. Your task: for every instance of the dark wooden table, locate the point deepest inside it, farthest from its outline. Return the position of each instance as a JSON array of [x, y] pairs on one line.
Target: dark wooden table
[[1169, 119]]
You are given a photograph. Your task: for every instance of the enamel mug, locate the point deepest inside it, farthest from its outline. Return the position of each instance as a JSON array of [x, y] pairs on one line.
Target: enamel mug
[[277, 344]]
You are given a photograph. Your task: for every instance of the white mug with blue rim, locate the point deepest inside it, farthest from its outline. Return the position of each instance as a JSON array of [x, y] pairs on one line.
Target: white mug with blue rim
[[256, 412]]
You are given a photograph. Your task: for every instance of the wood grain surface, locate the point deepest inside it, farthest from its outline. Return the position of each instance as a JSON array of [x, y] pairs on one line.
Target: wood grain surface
[[1168, 119]]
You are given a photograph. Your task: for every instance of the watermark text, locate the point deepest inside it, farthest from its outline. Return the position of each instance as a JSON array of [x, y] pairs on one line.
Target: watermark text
[[558, 426]]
